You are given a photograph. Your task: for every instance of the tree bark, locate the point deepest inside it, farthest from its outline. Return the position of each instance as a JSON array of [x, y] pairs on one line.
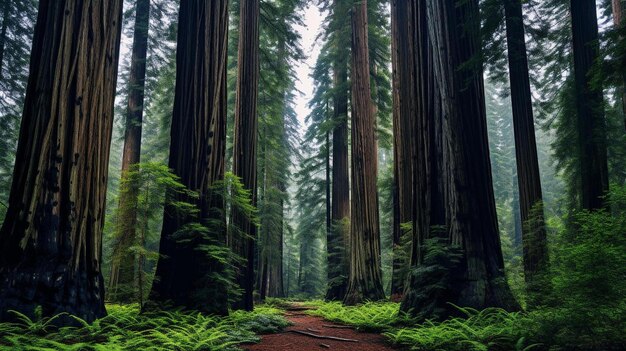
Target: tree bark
[[365, 278], [123, 263], [51, 240], [396, 289], [340, 195], [184, 274], [244, 149], [404, 140], [535, 250], [589, 106], [471, 216], [453, 175]]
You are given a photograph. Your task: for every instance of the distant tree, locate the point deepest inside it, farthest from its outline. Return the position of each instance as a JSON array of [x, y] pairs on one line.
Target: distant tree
[[535, 249], [365, 277], [185, 276], [589, 100], [123, 265], [51, 240], [16, 34]]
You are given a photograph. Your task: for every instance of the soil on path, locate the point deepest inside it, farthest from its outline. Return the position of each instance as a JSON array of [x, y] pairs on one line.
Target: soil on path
[[302, 322]]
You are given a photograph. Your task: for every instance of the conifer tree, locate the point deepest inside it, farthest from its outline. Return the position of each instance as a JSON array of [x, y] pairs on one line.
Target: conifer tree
[[589, 106], [365, 276], [245, 144], [51, 240], [529, 181], [123, 263], [186, 273]]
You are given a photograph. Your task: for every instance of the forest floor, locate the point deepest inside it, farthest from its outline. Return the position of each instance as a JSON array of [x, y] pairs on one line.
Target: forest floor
[[310, 333]]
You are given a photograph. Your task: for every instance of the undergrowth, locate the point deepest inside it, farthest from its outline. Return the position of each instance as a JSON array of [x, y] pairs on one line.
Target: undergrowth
[[126, 329], [489, 329]]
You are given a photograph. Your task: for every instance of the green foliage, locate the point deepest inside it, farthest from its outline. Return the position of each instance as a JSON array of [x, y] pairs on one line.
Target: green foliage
[[148, 187], [18, 19], [126, 329], [433, 276], [370, 316], [490, 329]]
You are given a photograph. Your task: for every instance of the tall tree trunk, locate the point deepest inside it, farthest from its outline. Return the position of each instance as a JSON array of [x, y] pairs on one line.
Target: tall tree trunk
[[421, 104], [365, 278], [396, 284], [197, 153], [464, 199], [618, 13], [275, 278], [535, 250], [337, 242], [589, 106], [51, 240], [404, 127], [123, 263], [244, 149], [471, 218]]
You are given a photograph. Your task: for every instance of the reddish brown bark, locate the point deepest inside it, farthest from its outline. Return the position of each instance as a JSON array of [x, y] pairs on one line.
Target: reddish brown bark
[[404, 136], [185, 274], [365, 277], [123, 262], [51, 240]]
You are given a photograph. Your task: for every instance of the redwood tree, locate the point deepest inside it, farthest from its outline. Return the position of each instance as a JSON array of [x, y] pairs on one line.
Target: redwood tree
[[244, 148], [337, 239], [589, 106], [51, 240], [472, 271], [123, 263], [535, 251], [404, 135], [186, 275], [365, 276]]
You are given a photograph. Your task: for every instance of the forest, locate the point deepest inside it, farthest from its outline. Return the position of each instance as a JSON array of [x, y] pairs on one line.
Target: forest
[[312, 175]]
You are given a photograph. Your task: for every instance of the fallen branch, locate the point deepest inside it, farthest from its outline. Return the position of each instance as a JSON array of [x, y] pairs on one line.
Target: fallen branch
[[313, 330], [323, 336], [325, 346], [337, 326]]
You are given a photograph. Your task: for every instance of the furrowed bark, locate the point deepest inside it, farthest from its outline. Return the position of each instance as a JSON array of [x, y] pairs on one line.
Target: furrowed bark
[[453, 185], [337, 242], [197, 152], [364, 282], [51, 240], [244, 149], [404, 140], [589, 106], [535, 250], [471, 216]]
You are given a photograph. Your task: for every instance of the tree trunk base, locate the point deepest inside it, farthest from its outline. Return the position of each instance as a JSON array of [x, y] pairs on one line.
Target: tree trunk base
[[53, 288]]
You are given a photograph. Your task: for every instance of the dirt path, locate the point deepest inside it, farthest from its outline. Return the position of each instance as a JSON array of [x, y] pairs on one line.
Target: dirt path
[[293, 339]]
